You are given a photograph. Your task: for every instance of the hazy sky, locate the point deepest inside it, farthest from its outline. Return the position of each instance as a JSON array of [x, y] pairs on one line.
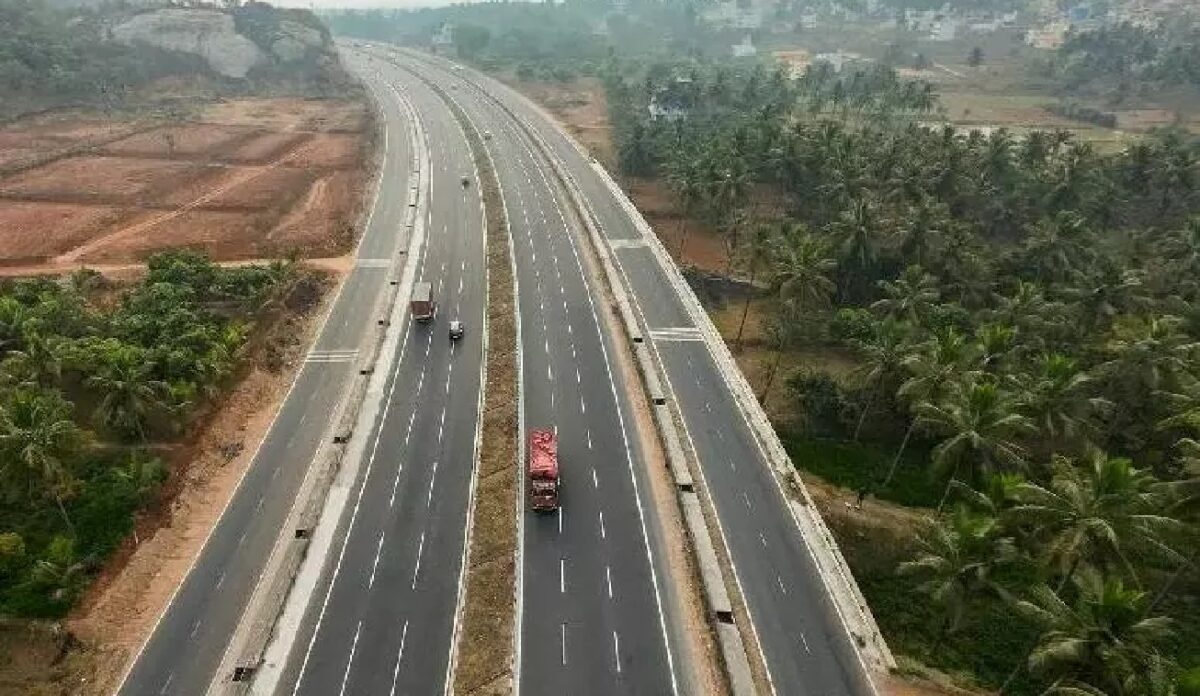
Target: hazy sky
[[324, 4]]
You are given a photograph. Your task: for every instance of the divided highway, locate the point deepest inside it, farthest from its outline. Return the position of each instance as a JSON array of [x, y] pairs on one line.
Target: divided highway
[[590, 618], [787, 601], [381, 620], [190, 637]]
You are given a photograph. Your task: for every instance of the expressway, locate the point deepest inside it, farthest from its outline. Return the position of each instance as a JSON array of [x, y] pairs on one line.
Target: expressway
[[381, 620], [189, 638], [590, 617], [784, 593]]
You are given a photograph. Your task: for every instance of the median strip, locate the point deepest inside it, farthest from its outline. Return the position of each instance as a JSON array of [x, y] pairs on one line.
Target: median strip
[[483, 660]]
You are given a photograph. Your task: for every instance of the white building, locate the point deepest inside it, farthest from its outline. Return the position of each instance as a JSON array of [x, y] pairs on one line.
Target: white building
[[745, 49]]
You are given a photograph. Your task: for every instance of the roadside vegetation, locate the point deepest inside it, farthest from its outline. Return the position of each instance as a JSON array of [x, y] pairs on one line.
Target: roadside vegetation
[[1021, 313], [94, 380]]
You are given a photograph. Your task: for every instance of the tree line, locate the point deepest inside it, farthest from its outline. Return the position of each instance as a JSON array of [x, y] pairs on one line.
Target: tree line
[[1126, 59], [1023, 313], [90, 376]]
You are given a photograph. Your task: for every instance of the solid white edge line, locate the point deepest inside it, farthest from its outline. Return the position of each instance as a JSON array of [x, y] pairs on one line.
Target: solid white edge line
[[366, 228], [418, 235]]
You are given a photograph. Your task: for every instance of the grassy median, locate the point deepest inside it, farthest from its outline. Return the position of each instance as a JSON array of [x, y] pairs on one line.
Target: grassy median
[[485, 643]]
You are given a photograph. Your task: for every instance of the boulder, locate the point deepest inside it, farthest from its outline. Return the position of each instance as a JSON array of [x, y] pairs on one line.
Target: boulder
[[209, 34]]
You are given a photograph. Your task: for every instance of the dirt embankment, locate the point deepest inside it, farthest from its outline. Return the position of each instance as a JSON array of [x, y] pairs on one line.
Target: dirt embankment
[[250, 178]]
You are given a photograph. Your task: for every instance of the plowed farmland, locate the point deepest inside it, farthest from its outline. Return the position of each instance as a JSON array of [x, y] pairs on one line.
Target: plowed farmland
[[244, 179]]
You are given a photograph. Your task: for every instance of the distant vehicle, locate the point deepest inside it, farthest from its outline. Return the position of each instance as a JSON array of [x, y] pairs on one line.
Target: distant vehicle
[[458, 68], [487, 135], [422, 305], [466, 181], [456, 330], [543, 470]]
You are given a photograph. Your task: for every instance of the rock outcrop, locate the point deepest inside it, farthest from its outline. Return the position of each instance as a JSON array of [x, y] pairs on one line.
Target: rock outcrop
[[210, 34], [232, 45]]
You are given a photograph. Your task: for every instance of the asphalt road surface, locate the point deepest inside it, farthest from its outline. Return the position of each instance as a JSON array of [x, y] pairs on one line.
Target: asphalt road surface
[[190, 637], [778, 579], [381, 621], [591, 619]]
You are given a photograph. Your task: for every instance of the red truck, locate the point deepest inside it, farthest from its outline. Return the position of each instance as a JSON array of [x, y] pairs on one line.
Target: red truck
[[422, 304], [543, 470]]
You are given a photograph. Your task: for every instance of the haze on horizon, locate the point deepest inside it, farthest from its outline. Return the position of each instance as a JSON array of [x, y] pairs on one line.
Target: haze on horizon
[[361, 4]]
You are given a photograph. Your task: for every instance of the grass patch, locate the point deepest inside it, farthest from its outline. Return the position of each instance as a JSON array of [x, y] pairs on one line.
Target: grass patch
[[485, 644], [855, 465]]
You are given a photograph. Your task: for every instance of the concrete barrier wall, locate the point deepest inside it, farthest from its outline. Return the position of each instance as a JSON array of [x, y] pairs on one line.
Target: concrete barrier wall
[[250, 641]]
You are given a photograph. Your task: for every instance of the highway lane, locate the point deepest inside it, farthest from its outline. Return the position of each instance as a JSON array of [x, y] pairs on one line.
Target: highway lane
[[782, 589], [591, 618], [382, 619], [191, 635]]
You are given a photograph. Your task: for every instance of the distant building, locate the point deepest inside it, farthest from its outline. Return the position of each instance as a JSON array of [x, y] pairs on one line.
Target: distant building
[[944, 30], [794, 62], [838, 60], [667, 108], [672, 101], [736, 15], [745, 49], [1048, 37], [443, 40], [808, 20]]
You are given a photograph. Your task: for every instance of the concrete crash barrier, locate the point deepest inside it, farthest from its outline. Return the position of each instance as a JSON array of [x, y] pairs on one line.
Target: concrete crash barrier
[[250, 642], [863, 643], [720, 610]]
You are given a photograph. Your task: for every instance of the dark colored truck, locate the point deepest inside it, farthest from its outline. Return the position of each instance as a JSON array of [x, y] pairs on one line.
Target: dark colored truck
[[543, 470], [422, 305]]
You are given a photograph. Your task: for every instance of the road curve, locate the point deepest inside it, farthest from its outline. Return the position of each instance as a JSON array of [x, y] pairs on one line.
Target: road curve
[[190, 636]]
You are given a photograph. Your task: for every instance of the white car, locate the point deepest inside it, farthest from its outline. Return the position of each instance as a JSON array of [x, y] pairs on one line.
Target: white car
[[456, 330]]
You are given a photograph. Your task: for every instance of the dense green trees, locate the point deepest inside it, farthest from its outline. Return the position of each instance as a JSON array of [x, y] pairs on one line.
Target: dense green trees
[[1117, 59], [84, 384], [1026, 320]]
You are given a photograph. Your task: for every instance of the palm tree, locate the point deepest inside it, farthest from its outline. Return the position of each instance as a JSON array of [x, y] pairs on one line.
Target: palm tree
[[1148, 357], [911, 297], [683, 178], [128, 393], [932, 367], [1059, 247], [994, 497], [759, 248], [38, 439], [981, 424], [995, 341], [801, 268], [1103, 638], [858, 255], [882, 357], [61, 570], [1106, 293], [38, 361], [1097, 513], [1058, 398], [13, 316], [922, 230], [957, 557]]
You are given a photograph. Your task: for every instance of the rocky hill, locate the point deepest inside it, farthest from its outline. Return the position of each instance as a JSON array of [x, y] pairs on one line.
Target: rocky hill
[[252, 42], [55, 54]]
